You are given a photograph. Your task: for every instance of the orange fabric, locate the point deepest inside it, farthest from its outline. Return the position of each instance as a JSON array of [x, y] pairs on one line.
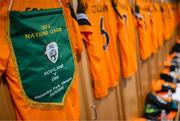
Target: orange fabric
[[178, 40], [160, 25], [154, 33], [138, 119], [4, 50], [126, 34], [165, 71], [171, 85], [171, 115], [156, 85], [104, 63], [167, 63], [157, 25], [144, 30], [25, 111], [175, 14], [171, 56], [166, 22], [169, 20]]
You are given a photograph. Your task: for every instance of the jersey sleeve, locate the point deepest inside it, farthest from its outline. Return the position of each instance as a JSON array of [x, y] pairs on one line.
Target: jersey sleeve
[[4, 50], [4, 55], [78, 43], [83, 20]]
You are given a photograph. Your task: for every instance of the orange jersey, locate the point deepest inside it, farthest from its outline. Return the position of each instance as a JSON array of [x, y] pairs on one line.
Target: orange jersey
[[144, 29], [100, 37], [154, 34], [169, 21], [26, 109], [126, 34], [160, 25], [4, 54], [165, 21], [178, 15]]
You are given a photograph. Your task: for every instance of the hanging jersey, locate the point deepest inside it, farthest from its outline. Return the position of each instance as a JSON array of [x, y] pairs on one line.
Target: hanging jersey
[[178, 15], [29, 103], [165, 21], [144, 29], [126, 34], [154, 34], [93, 17], [169, 21], [4, 55], [159, 24]]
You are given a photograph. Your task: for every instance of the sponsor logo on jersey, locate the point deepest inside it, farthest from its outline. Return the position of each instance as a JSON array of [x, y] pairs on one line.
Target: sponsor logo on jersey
[[99, 8]]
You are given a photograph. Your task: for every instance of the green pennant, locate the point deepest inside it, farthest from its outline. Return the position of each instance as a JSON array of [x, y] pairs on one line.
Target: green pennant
[[43, 53]]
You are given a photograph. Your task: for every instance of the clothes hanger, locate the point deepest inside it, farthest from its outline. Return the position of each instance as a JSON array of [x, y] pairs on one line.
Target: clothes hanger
[[11, 2]]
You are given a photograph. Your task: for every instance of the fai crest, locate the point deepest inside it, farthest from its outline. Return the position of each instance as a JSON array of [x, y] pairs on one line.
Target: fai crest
[[52, 52]]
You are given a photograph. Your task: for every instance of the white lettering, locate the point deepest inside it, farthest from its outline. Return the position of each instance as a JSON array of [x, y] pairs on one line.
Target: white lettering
[[57, 91], [43, 94], [66, 81], [53, 70], [55, 78]]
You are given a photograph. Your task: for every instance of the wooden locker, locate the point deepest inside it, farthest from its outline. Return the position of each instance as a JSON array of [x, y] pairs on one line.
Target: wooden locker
[[85, 88], [154, 66], [163, 53], [130, 98], [108, 107], [160, 58], [144, 81]]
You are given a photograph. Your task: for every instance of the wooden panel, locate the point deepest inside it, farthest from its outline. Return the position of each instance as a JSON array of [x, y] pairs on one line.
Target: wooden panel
[[154, 66], [161, 57], [171, 42], [86, 88], [160, 60], [7, 111], [121, 106], [130, 98], [107, 108], [83, 108], [164, 51], [144, 81], [166, 48]]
